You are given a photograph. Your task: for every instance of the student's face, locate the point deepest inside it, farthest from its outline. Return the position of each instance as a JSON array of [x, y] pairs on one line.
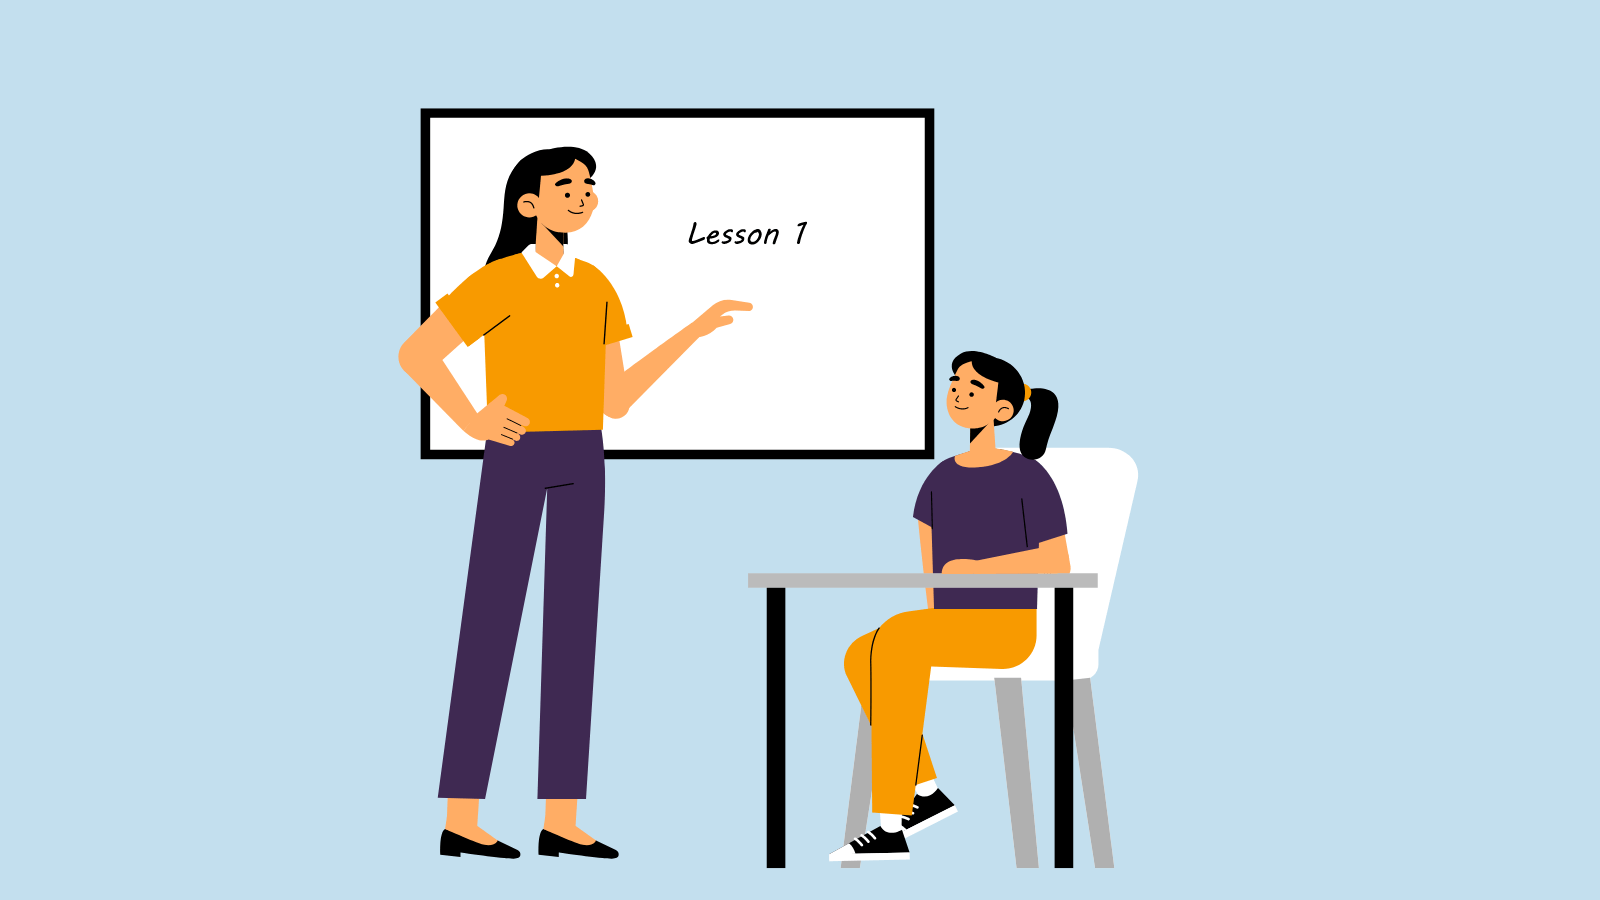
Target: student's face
[[972, 399], [565, 200]]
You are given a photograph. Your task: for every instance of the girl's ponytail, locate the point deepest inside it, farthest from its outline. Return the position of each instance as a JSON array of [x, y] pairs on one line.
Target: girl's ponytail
[[1041, 419]]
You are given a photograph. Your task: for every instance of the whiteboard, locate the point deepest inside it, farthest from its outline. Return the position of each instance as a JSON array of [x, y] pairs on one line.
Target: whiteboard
[[834, 361]]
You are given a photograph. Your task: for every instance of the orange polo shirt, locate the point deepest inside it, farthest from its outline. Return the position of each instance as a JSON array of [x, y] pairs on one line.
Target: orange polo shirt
[[544, 338]]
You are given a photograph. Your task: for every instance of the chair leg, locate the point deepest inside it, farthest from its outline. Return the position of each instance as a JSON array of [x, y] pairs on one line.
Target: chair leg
[[1019, 783], [855, 817], [1094, 785]]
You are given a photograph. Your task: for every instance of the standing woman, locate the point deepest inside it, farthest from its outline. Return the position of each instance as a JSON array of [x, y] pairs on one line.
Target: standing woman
[[551, 326]]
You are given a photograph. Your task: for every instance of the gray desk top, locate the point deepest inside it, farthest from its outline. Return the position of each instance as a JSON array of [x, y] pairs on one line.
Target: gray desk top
[[919, 580]]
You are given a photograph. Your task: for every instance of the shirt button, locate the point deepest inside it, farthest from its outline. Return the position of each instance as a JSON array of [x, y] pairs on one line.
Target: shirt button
[[558, 284]]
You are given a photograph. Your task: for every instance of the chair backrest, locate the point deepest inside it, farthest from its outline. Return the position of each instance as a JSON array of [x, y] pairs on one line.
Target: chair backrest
[[1096, 486]]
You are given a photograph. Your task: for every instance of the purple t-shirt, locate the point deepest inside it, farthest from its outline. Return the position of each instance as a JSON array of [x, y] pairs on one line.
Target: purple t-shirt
[[1008, 507]]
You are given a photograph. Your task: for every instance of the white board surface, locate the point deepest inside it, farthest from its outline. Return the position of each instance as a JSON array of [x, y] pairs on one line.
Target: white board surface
[[832, 358]]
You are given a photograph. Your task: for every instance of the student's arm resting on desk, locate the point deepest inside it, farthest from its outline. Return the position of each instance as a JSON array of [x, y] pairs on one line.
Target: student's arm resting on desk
[[624, 385], [422, 356], [925, 532], [1049, 556]]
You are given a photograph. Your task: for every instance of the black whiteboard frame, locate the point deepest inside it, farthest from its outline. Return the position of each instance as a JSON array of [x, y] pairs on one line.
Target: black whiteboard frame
[[925, 452]]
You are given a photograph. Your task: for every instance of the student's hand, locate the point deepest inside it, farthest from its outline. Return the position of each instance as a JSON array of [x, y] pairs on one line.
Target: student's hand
[[715, 317], [496, 422], [960, 567]]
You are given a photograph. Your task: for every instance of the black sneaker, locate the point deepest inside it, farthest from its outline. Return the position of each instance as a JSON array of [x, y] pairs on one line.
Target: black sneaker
[[927, 810], [876, 844]]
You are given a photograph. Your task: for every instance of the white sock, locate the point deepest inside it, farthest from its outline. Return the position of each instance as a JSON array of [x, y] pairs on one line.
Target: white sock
[[890, 822], [927, 788]]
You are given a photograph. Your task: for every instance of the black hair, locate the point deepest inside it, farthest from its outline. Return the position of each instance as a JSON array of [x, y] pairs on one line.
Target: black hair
[[516, 230], [1041, 417]]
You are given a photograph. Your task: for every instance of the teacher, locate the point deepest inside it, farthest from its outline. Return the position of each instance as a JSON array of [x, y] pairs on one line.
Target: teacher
[[551, 326]]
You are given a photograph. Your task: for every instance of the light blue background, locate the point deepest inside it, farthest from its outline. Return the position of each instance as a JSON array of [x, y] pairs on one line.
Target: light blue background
[[1329, 275]]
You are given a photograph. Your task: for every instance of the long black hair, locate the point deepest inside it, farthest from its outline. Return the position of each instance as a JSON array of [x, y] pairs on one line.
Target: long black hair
[[516, 230], [1041, 417]]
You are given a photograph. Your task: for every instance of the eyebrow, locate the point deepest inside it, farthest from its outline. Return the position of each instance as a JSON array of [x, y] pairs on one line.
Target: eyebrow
[[588, 181], [977, 382], [563, 181]]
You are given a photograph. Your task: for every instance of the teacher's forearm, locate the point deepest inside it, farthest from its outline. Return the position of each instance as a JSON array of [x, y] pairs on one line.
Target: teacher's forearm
[[434, 377], [638, 378]]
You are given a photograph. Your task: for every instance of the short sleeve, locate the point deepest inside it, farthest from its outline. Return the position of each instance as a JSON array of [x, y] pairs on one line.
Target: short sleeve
[[475, 306], [923, 511], [616, 321], [1041, 508]]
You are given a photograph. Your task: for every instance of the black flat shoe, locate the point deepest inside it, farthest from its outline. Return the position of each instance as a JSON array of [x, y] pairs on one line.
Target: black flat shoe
[[452, 844], [551, 844]]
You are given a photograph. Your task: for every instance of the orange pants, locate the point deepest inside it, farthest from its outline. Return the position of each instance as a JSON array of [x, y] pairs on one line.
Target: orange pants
[[889, 670]]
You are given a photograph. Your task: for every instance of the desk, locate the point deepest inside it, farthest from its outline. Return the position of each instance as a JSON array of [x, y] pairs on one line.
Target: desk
[[777, 585]]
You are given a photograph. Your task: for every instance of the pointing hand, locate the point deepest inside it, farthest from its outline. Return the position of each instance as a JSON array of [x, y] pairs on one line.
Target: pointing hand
[[716, 317]]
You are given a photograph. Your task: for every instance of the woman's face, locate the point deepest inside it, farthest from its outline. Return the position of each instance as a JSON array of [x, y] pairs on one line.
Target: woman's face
[[565, 200], [973, 400]]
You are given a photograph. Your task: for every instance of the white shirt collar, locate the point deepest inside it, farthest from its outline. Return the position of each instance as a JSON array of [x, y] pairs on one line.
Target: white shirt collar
[[541, 266]]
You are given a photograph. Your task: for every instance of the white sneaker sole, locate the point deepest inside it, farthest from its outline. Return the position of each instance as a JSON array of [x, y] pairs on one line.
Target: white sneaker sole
[[845, 855], [933, 821]]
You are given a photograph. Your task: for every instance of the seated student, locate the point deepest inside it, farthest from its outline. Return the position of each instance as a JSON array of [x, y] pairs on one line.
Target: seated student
[[983, 511]]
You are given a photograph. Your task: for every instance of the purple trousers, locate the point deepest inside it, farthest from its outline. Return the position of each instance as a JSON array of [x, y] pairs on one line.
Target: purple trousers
[[567, 470]]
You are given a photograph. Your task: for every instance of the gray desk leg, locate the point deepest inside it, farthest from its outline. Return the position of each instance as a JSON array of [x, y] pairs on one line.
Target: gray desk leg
[[1063, 773], [777, 814]]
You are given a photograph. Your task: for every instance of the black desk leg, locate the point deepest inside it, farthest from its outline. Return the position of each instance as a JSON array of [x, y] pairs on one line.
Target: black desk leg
[[1064, 817], [777, 815]]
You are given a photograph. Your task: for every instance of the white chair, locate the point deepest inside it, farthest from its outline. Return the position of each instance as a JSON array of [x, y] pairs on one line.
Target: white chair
[[1096, 487]]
